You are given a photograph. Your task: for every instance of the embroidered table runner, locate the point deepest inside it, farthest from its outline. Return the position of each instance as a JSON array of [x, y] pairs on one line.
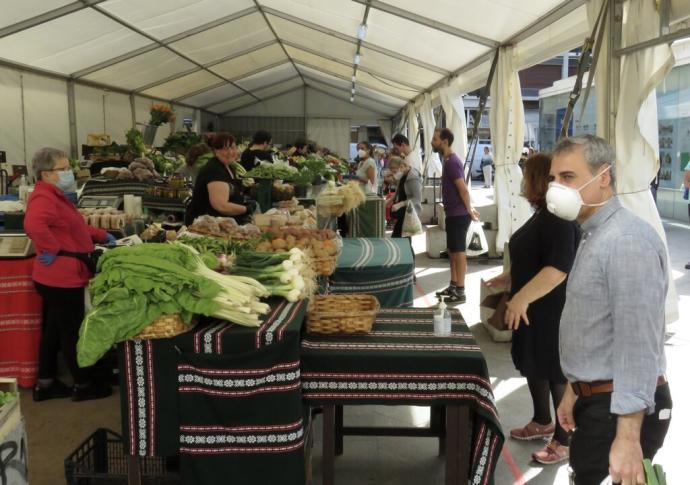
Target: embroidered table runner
[[401, 362], [226, 397]]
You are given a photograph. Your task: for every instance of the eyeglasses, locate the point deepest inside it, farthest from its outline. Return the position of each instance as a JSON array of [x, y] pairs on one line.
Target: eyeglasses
[[63, 169]]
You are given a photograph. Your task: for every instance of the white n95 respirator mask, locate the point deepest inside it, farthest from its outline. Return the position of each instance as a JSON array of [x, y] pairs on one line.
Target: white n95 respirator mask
[[566, 202]]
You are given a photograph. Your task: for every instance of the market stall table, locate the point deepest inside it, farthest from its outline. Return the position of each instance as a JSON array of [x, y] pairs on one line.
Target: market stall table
[[21, 311], [401, 362], [382, 267], [225, 397]]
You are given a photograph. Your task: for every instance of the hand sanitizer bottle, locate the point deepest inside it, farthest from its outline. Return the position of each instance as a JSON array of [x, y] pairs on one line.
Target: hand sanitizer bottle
[[442, 320]]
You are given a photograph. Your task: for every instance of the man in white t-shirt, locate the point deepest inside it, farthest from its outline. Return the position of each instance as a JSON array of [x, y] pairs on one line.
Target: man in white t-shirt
[[412, 158]]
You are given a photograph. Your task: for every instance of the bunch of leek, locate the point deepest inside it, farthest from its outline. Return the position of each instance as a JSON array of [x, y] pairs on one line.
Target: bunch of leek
[[287, 274]]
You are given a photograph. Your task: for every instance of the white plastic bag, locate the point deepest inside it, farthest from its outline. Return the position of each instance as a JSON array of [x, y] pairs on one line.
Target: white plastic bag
[[476, 244], [411, 224]]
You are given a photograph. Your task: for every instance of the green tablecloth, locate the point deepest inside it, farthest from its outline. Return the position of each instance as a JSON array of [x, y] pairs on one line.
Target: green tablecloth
[[382, 267], [369, 219], [227, 398], [401, 362]]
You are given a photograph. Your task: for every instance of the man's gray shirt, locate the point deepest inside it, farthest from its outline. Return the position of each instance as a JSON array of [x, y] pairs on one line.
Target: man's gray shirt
[[612, 326]]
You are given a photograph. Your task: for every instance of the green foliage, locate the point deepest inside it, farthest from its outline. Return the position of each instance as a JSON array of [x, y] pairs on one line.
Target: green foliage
[[180, 142], [7, 397], [135, 142]]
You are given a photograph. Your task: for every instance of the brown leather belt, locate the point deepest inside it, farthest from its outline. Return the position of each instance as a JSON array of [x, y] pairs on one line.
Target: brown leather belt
[[586, 389]]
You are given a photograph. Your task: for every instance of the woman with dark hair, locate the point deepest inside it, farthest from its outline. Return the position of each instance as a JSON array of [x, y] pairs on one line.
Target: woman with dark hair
[[367, 170], [258, 150], [218, 189], [542, 252]]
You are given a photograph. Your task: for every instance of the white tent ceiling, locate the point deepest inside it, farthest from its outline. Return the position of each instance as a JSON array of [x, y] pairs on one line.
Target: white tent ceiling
[[223, 54]]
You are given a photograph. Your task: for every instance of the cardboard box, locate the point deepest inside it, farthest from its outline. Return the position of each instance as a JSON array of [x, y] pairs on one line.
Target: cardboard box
[[491, 311]]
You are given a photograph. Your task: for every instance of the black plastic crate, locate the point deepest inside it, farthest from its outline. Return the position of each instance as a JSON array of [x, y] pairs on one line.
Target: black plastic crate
[[101, 460]]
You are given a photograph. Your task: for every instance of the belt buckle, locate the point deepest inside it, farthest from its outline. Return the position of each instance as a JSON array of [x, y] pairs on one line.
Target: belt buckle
[[583, 389]]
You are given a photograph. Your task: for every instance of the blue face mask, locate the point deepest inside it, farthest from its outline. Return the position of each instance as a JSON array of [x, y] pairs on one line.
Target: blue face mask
[[66, 180]]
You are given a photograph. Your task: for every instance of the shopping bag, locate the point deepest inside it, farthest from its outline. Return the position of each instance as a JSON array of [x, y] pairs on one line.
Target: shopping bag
[[411, 224], [476, 244]]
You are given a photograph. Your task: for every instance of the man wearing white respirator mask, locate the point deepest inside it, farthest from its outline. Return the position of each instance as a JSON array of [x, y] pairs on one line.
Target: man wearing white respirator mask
[[618, 403]]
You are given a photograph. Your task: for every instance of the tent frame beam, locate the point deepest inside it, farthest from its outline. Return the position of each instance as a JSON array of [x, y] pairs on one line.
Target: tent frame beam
[[205, 67], [347, 100], [663, 39], [277, 37], [133, 28], [225, 113], [239, 95], [339, 88], [166, 41], [344, 78], [344, 63], [427, 22], [47, 17], [353, 40], [87, 83]]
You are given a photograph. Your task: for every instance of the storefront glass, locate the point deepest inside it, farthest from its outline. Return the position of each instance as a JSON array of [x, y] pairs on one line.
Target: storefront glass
[[673, 106]]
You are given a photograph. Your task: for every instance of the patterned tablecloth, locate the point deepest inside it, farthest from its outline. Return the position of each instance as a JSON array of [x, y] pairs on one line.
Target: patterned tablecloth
[[21, 311], [369, 219], [226, 398], [382, 267], [401, 362]]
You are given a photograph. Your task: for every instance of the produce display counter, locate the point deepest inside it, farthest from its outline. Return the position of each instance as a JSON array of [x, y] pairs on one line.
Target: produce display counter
[[401, 362], [226, 398], [21, 311], [382, 267]]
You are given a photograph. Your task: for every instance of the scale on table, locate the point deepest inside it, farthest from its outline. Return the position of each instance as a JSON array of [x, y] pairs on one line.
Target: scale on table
[[15, 246], [100, 202]]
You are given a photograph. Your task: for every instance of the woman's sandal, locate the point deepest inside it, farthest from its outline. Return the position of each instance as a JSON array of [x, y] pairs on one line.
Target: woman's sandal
[[552, 453], [533, 431]]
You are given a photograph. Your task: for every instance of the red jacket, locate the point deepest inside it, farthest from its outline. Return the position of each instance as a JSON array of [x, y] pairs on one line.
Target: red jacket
[[53, 224]]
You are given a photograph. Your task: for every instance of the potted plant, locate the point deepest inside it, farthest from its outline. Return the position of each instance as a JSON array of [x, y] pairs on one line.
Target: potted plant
[[160, 114], [302, 181]]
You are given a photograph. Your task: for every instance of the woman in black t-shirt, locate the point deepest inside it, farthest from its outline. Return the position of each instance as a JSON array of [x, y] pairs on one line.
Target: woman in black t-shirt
[[258, 150], [218, 190], [542, 252]]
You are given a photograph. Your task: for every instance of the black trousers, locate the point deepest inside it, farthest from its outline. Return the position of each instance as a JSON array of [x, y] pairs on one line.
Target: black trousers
[[63, 312], [596, 430]]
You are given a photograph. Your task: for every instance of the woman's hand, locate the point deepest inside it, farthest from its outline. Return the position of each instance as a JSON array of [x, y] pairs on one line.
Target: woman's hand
[[516, 310], [501, 281]]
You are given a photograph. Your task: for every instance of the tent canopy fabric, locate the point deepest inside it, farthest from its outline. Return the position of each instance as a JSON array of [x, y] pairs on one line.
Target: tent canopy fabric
[[219, 55]]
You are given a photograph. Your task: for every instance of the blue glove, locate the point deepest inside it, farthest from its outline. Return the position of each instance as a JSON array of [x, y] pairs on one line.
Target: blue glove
[[46, 258], [110, 240]]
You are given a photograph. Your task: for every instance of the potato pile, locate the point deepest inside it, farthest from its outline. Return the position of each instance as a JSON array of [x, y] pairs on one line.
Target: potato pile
[[321, 244]]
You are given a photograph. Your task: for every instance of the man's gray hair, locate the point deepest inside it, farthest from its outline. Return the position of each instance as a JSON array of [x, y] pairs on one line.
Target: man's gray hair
[[45, 158], [596, 150]]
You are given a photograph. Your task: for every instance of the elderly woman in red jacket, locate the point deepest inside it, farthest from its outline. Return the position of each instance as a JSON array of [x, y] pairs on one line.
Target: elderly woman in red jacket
[[55, 226]]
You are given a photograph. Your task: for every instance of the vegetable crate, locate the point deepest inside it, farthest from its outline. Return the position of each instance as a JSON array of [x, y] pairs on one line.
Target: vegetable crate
[[101, 460], [8, 384]]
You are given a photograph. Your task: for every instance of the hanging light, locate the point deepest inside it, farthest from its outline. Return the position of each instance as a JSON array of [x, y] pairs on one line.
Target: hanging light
[[362, 31], [354, 79], [358, 59], [352, 90], [352, 99]]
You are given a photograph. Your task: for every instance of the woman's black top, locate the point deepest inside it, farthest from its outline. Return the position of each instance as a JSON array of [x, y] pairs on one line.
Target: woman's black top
[[544, 240], [213, 171], [248, 158]]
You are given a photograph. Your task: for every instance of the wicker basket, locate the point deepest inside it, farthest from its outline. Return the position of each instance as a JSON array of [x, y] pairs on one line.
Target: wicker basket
[[352, 313], [165, 326], [325, 266], [335, 210]]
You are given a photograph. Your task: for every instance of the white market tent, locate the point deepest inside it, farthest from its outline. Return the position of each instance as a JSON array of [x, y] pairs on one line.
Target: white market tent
[[69, 68], [216, 58]]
